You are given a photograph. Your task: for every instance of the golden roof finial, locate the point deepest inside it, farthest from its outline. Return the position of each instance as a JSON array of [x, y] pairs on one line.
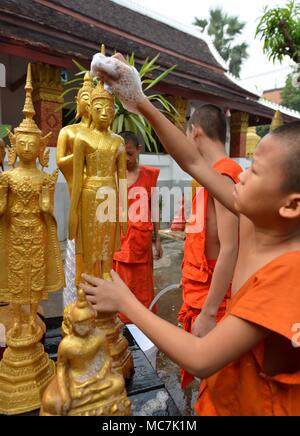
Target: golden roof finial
[[102, 49]]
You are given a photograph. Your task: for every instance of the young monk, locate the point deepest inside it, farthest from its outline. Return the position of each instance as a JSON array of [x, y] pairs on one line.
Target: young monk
[[211, 245], [134, 263], [251, 360]]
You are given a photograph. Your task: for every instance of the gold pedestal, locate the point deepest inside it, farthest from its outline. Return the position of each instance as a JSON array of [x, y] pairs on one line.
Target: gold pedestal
[[122, 359], [25, 371], [120, 406]]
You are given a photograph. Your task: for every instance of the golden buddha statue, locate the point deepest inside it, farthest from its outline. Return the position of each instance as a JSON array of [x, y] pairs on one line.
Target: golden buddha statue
[[99, 171], [99, 167], [64, 158], [85, 384], [67, 135], [30, 260]]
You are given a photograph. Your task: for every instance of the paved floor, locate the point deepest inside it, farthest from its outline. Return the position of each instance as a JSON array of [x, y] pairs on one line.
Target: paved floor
[[167, 271]]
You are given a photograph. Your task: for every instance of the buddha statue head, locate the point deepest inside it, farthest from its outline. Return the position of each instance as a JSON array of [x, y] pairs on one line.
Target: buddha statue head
[[103, 107], [82, 315], [27, 142], [83, 98]]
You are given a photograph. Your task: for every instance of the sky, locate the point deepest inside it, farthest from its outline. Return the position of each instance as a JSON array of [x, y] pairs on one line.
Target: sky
[[257, 72]]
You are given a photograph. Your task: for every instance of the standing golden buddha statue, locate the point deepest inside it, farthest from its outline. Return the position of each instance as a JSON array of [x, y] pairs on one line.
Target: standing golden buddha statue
[[99, 171], [64, 158], [85, 384], [30, 261]]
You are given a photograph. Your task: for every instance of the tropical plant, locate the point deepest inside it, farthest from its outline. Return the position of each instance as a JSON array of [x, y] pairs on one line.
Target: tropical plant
[[223, 30], [125, 120], [4, 128], [279, 28]]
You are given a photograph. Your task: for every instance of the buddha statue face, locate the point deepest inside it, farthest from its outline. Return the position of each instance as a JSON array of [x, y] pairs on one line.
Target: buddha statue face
[[28, 146], [83, 104], [84, 327], [102, 113]]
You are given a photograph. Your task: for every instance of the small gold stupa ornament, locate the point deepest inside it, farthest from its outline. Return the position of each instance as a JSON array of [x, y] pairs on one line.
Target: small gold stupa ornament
[[277, 121], [85, 384], [30, 262], [252, 139]]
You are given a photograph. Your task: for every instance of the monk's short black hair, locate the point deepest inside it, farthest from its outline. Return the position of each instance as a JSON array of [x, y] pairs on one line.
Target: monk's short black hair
[[212, 120], [130, 137], [289, 137]]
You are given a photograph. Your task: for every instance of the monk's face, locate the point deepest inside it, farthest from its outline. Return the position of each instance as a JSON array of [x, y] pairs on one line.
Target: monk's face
[[259, 194], [132, 154]]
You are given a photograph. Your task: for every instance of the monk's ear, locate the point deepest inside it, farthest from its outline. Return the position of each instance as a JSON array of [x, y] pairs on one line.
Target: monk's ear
[[291, 208], [196, 132], [139, 148]]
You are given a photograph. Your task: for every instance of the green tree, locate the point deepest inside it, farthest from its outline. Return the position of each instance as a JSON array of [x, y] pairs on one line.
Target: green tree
[[279, 28], [223, 29], [290, 94]]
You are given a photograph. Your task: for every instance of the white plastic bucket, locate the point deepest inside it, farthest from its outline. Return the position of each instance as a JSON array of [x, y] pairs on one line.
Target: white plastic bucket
[[147, 346]]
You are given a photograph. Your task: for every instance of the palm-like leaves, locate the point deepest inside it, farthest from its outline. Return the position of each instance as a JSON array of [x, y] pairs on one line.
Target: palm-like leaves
[[4, 128], [125, 120], [223, 30]]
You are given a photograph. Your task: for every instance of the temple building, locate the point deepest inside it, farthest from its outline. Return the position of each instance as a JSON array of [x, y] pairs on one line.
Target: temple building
[[50, 34]]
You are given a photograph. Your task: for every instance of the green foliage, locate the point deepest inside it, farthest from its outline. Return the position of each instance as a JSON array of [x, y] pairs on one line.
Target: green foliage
[[4, 130], [125, 120], [263, 130], [223, 30], [290, 94], [279, 28]]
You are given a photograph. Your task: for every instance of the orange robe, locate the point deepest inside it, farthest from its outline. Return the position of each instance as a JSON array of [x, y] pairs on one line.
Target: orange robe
[[197, 271], [271, 299], [134, 263]]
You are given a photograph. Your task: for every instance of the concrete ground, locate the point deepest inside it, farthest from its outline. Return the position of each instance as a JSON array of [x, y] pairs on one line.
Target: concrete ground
[[167, 271]]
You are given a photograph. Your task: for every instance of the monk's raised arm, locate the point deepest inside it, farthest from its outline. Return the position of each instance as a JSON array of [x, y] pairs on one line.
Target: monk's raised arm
[[126, 84], [187, 155]]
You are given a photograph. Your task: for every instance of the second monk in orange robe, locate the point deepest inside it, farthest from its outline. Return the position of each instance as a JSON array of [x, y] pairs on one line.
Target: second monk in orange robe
[[134, 263]]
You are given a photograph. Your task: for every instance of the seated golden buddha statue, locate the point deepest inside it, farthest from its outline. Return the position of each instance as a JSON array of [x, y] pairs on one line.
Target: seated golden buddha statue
[[30, 257], [84, 383], [99, 169]]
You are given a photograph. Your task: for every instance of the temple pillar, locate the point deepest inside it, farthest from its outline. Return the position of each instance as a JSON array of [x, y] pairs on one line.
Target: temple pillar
[[238, 132], [47, 97]]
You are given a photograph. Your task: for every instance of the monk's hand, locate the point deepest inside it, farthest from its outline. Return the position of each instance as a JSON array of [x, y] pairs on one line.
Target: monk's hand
[[123, 79], [203, 324], [104, 295]]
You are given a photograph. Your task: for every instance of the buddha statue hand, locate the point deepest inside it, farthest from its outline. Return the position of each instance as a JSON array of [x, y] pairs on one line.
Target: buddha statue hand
[[122, 78]]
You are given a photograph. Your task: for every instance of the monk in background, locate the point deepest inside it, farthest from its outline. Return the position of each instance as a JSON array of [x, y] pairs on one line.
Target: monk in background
[[134, 263], [211, 245]]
